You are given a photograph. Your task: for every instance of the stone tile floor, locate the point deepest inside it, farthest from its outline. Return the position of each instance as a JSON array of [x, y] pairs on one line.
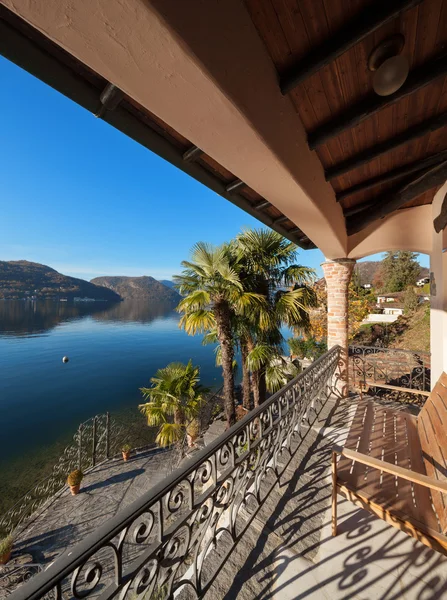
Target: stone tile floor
[[290, 553], [105, 491]]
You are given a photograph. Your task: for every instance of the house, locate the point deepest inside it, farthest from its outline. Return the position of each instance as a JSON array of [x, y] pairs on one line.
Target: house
[[385, 298], [423, 281], [398, 297], [396, 310], [290, 111]]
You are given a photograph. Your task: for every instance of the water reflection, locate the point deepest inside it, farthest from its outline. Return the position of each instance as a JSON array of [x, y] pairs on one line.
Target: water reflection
[[137, 312], [20, 318]]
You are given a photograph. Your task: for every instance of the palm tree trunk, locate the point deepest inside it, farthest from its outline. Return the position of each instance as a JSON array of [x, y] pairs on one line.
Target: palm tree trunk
[[179, 417], [223, 322], [262, 386], [255, 387], [245, 375], [254, 376]]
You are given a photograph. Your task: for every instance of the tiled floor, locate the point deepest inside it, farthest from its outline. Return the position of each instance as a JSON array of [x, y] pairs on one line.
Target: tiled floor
[[291, 553]]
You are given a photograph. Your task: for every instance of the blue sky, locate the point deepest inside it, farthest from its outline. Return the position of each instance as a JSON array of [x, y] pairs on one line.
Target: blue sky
[[83, 198]]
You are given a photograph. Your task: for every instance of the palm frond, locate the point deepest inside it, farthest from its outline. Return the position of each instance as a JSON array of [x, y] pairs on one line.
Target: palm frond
[[198, 321]]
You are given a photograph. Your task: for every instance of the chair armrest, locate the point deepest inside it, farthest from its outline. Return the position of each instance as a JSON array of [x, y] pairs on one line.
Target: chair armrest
[[386, 467]]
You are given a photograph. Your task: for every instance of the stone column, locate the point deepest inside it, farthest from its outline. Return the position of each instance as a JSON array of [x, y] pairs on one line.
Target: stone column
[[338, 274]]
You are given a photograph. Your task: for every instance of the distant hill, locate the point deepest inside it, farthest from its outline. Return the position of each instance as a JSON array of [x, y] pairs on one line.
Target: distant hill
[[167, 282], [139, 288], [24, 279], [367, 270]]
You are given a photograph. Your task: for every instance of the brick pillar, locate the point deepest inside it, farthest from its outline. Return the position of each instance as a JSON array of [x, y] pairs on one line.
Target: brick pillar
[[338, 273]]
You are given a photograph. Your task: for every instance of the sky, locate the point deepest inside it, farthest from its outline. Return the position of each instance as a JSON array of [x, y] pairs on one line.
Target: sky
[[83, 198]]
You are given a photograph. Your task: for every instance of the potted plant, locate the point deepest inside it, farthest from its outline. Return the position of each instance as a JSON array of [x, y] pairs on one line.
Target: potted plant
[[74, 481], [5, 549], [125, 449], [192, 432]]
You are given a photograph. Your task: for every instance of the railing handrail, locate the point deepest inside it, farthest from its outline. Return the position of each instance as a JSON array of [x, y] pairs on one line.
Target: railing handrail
[[387, 349], [75, 557]]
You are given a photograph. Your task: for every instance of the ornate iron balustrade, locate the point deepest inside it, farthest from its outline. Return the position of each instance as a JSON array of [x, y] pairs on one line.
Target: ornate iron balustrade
[[175, 538], [389, 366], [17, 576], [95, 440]]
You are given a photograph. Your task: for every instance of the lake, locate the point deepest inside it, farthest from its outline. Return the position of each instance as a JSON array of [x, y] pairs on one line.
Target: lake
[[113, 350]]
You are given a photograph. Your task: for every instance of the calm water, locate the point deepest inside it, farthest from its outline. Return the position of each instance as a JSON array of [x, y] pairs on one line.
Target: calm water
[[113, 351]]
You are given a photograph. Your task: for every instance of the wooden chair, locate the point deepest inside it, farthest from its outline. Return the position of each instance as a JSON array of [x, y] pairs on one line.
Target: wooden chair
[[395, 465]]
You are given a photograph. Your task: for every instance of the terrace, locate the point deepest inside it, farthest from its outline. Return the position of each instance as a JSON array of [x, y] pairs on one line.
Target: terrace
[[274, 105]]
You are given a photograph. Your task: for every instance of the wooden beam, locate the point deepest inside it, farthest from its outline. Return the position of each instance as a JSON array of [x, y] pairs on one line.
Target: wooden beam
[[281, 219], [388, 203], [262, 205], [369, 154], [440, 222], [408, 169], [356, 114], [235, 185], [353, 210], [192, 153], [110, 97], [374, 16]]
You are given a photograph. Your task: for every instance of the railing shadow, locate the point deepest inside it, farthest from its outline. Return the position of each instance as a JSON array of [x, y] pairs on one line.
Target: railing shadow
[[298, 528]]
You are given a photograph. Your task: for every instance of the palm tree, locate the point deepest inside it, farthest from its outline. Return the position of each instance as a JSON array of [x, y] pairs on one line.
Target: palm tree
[[214, 293], [175, 398], [268, 265]]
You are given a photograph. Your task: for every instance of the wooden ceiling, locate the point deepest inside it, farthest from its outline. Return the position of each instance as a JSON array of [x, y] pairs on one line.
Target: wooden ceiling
[[329, 100]]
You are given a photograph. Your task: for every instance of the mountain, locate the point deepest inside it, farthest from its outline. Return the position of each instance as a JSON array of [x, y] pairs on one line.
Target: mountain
[[139, 288], [24, 279], [367, 269], [167, 282]]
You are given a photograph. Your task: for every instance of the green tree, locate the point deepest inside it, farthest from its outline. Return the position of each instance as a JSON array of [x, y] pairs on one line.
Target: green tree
[[174, 401], [214, 294], [399, 270], [411, 300], [269, 270]]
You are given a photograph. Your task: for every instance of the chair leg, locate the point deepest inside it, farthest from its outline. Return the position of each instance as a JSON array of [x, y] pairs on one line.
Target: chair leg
[[334, 493]]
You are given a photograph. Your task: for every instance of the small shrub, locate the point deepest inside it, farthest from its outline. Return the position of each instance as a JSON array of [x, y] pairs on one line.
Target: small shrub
[[75, 477], [298, 347], [217, 410], [126, 448], [309, 348], [193, 428], [6, 545], [411, 300]]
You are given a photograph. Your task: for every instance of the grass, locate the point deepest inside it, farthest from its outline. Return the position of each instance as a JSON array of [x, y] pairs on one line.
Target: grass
[[410, 332]]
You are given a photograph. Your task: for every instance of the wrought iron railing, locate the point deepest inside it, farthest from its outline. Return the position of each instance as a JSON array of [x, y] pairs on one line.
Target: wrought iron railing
[[95, 440], [176, 537], [18, 575], [393, 367]]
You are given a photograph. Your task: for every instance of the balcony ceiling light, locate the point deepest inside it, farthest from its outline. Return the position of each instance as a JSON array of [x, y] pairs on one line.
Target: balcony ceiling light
[[389, 66]]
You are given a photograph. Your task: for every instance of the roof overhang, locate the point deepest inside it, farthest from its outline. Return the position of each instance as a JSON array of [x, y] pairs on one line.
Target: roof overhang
[[212, 82]]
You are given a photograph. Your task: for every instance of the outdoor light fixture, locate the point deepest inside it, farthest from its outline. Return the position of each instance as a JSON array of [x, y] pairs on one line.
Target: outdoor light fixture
[[389, 66]]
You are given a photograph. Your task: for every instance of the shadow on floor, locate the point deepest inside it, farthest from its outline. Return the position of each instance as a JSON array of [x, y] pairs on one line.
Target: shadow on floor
[[56, 539], [119, 478], [348, 568]]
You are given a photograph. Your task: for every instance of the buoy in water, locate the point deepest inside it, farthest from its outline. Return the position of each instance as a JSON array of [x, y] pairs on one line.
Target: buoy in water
[[65, 359]]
